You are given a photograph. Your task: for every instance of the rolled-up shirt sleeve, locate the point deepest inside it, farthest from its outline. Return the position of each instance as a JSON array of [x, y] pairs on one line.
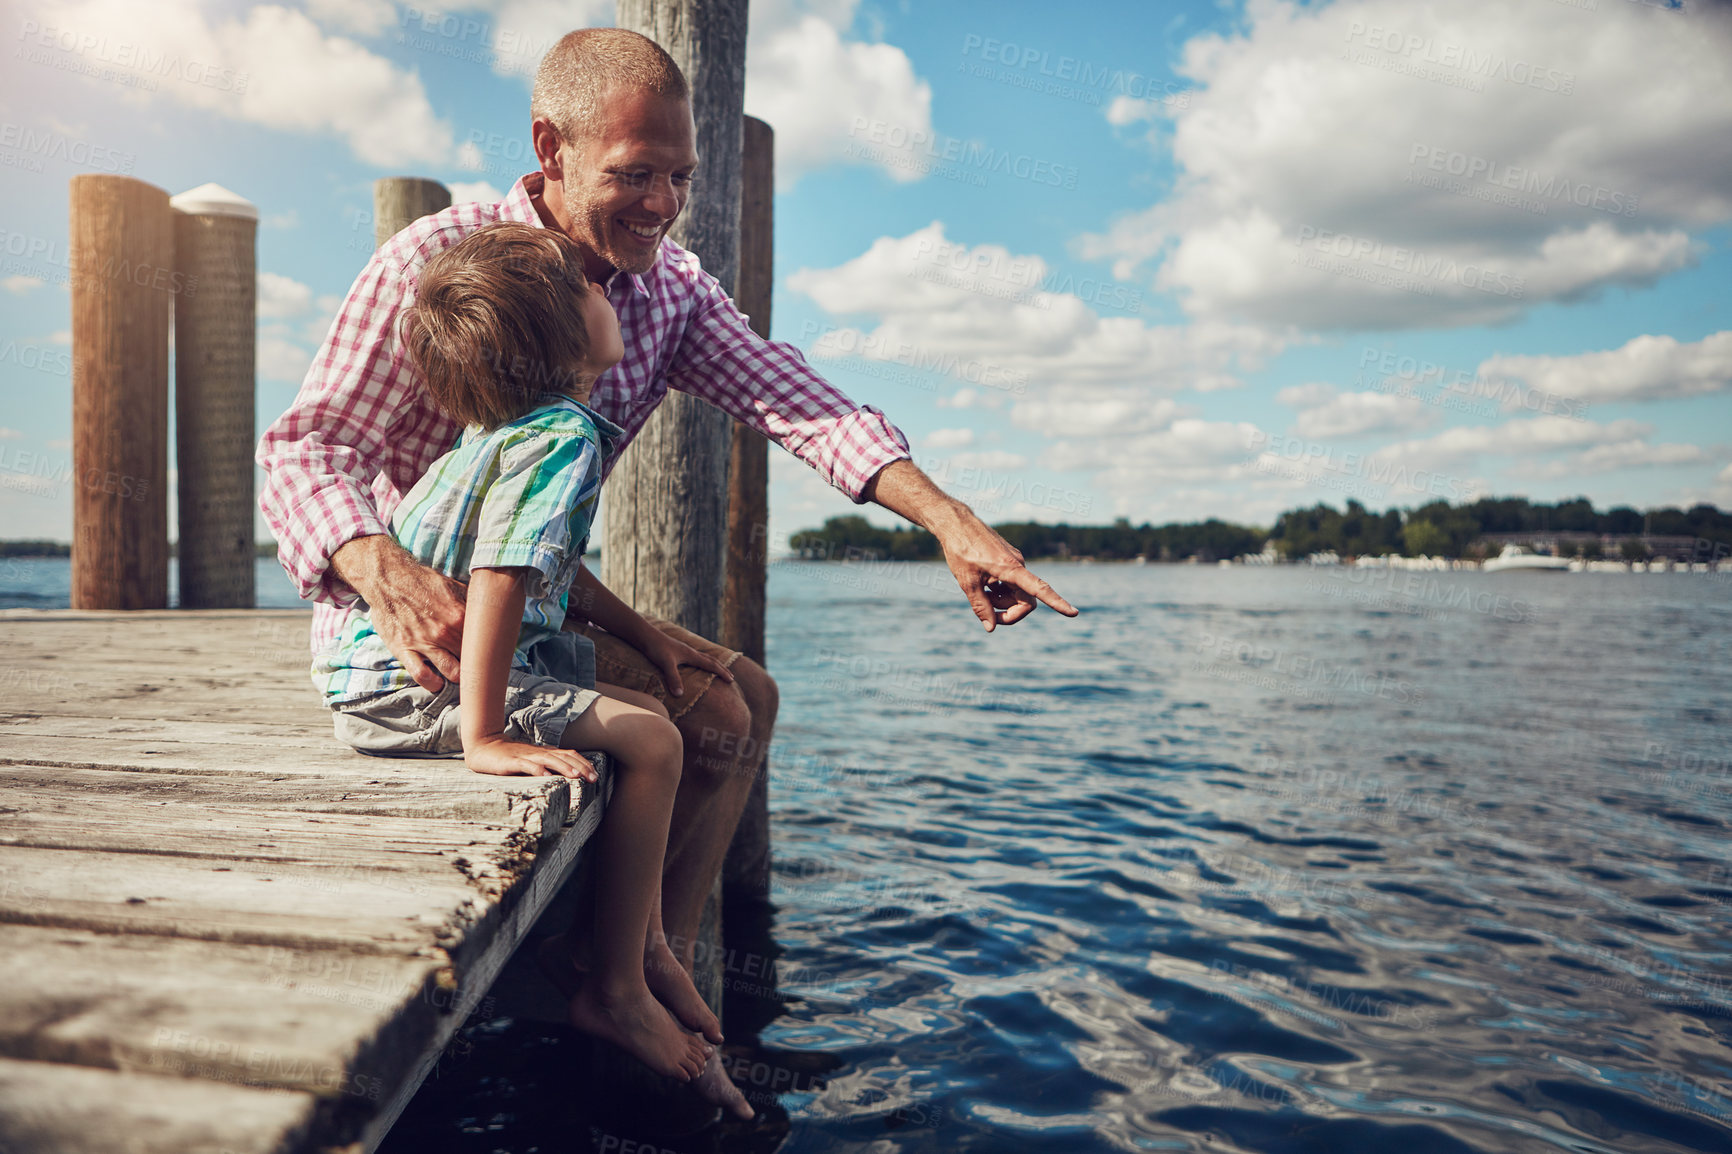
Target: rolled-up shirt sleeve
[[322, 455], [769, 386]]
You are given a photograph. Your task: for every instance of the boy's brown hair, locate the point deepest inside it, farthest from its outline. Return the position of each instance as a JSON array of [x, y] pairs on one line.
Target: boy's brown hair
[[495, 325]]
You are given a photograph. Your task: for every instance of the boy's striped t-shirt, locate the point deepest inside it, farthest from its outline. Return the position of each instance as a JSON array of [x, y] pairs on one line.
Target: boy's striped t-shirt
[[523, 494]]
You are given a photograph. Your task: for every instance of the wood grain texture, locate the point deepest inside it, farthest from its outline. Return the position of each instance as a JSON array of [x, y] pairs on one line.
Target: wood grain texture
[[237, 903], [79, 1110], [214, 337], [400, 201], [746, 872], [664, 547], [123, 280]]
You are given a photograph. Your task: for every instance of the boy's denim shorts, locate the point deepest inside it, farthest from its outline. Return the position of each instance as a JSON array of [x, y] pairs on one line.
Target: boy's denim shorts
[[539, 703]]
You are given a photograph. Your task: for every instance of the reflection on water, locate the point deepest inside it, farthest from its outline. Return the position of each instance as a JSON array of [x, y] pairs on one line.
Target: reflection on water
[[1240, 860]]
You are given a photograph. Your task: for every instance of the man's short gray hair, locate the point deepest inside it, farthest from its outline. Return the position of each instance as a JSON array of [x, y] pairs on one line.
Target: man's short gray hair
[[577, 73]]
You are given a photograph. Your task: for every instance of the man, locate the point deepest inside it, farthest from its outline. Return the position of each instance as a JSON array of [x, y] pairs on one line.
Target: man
[[613, 131]]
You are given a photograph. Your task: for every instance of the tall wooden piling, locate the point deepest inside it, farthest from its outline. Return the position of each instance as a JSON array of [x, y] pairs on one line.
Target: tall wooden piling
[[215, 247], [399, 201], [664, 548], [664, 545], [123, 280], [746, 876]]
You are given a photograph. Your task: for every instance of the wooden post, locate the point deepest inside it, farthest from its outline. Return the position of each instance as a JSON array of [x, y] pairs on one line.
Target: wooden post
[[664, 545], [215, 247], [746, 875], [123, 278], [400, 201]]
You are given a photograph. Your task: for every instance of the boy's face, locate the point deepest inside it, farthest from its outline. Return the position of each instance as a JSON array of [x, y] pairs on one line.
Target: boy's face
[[606, 345]]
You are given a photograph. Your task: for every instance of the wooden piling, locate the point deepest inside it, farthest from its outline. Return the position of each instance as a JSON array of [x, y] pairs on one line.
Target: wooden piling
[[664, 548], [746, 874], [215, 247], [399, 201], [123, 280]]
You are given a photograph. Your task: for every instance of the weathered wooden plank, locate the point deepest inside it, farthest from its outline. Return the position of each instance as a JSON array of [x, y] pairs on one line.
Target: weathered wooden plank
[[77, 1110], [406, 795], [50, 816], [148, 862], [267, 903], [328, 1022]]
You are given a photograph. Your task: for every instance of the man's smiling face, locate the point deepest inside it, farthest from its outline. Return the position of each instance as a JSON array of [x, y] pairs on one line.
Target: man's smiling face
[[621, 187]]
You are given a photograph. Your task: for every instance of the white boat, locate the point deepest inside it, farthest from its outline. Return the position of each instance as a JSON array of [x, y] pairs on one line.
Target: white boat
[[1520, 557]]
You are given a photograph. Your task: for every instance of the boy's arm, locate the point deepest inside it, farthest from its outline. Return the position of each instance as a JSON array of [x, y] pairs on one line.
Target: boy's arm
[[592, 601], [493, 617]]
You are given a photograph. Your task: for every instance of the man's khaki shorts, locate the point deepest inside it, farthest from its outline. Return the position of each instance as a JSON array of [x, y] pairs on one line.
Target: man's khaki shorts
[[617, 663]]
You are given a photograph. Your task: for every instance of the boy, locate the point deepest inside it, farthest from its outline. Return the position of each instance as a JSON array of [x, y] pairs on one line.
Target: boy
[[503, 351]]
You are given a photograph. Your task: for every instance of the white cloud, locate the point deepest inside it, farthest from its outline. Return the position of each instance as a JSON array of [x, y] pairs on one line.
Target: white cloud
[[279, 359], [948, 438], [360, 17], [1522, 437], [1631, 454], [1326, 413], [463, 192], [293, 321], [1288, 137], [19, 285], [1646, 368], [275, 67], [281, 296], [975, 314], [60, 337], [814, 85], [10, 434]]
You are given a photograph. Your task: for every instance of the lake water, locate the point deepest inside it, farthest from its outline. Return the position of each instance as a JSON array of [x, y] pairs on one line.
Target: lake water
[[1240, 860]]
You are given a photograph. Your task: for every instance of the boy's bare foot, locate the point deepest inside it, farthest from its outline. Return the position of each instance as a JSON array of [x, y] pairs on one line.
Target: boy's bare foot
[[639, 1025], [670, 983], [714, 1086]]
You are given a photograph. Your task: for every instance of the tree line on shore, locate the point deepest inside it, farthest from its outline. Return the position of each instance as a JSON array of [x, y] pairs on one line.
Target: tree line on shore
[[1438, 529]]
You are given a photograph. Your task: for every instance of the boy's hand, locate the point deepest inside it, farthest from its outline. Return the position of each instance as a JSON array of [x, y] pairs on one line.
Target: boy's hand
[[667, 654], [501, 758]]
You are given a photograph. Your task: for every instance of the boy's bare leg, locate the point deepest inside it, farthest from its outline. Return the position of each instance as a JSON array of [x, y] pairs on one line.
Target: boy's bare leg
[[614, 1001]]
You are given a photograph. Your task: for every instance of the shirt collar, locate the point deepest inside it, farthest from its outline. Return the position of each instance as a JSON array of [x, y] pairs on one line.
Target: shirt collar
[[519, 205]]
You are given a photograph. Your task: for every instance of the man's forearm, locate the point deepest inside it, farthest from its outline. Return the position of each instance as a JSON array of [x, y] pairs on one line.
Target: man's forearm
[[905, 490], [595, 603], [362, 561]]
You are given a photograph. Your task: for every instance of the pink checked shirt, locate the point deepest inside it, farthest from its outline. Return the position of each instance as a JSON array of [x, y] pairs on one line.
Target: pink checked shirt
[[361, 431]]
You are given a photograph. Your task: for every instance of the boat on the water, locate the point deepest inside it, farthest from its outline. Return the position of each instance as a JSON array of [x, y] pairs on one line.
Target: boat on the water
[[1519, 557]]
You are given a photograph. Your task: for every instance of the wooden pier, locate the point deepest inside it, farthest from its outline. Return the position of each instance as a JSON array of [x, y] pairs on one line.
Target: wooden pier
[[220, 930]]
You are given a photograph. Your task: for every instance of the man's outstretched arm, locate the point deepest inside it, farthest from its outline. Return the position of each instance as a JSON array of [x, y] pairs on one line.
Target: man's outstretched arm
[[997, 584]]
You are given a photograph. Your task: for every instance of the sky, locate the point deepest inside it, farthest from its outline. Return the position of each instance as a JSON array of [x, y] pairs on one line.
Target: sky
[[1153, 261]]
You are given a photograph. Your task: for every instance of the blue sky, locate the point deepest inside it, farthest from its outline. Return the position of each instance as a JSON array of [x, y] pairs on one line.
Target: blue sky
[[1161, 262]]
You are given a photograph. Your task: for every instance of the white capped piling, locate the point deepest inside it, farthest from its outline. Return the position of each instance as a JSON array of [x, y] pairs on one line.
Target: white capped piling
[[122, 280], [215, 248]]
